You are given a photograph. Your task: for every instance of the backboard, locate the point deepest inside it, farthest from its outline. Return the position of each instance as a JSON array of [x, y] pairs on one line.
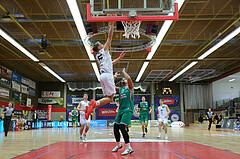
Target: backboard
[[132, 10]]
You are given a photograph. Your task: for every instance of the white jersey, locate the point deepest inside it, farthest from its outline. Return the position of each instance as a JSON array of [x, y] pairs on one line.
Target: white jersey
[[83, 106], [105, 61], [162, 111]]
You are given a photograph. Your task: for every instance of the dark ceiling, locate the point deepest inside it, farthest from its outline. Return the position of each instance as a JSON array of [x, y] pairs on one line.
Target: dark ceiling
[[201, 24]]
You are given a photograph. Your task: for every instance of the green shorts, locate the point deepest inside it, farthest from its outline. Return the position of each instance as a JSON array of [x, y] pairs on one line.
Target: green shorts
[[143, 118], [124, 118], [74, 120]]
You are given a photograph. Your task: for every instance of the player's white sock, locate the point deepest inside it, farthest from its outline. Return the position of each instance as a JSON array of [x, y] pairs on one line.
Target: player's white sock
[[160, 134], [97, 103], [118, 144], [128, 145]]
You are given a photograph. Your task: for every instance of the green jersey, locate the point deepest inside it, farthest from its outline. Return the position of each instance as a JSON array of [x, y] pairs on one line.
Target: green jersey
[[74, 113], [126, 100], [144, 108]]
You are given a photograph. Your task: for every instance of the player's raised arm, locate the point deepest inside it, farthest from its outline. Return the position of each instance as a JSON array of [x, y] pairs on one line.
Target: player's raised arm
[[109, 39], [129, 80], [119, 58]]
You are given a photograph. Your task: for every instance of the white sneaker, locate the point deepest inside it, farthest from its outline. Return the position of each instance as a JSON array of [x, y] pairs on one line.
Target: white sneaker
[[128, 151], [115, 149], [159, 136]]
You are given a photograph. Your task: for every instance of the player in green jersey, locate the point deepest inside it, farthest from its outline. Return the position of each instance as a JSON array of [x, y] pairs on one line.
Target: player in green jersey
[[143, 110], [74, 114], [125, 112]]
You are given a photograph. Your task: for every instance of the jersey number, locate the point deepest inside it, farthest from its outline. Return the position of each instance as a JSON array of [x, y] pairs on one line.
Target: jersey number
[[100, 57]]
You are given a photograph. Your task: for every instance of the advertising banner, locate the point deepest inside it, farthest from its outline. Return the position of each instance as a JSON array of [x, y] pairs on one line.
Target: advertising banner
[[32, 84], [52, 101], [73, 100], [110, 123], [49, 113], [24, 89], [6, 72], [4, 93], [16, 86], [42, 114], [98, 123], [154, 123], [171, 101], [29, 101], [107, 112], [51, 94], [175, 115], [16, 96], [21, 113], [31, 91], [16, 77], [25, 81], [4, 82]]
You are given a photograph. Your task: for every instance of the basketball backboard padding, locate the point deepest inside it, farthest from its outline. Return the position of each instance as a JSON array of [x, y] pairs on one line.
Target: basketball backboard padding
[[91, 18]]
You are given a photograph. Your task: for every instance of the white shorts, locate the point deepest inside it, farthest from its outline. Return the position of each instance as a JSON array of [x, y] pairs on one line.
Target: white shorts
[[162, 119], [107, 83], [83, 119]]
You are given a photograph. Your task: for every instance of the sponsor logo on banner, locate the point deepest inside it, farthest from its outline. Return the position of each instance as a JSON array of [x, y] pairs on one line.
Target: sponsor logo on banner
[[31, 91], [6, 72], [153, 123], [107, 112], [4, 93], [16, 86], [177, 124], [25, 81], [42, 114], [98, 123], [16, 77], [52, 101], [49, 113], [168, 101], [24, 89], [32, 84], [51, 94], [174, 117], [5, 82], [76, 100], [110, 123], [16, 96]]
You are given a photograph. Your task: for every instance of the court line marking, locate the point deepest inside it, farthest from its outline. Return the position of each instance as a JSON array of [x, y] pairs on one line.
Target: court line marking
[[45, 153], [173, 153], [131, 140]]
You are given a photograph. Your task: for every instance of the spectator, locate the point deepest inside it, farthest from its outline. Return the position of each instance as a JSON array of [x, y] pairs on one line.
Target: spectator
[[209, 116], [237, 122], [9, 112], [200, 120], [35, 116], [216, 118]]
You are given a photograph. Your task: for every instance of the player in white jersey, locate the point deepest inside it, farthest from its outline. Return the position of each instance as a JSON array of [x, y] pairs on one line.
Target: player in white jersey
[[82, 108], [163, 113], [106, 69]]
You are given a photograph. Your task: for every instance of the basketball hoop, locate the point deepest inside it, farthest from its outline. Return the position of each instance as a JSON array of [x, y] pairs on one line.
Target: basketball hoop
[[131, 28]]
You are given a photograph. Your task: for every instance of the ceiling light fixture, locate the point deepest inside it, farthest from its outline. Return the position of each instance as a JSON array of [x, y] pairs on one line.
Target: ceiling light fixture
[[72, 4], [17, 45], [52, 72], [166, 25]]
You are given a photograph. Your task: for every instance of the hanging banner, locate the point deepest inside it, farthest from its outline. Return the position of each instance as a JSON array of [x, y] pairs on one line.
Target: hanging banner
[[51, 94], [171, 101], [4, 93], [29, 101], [49, 113], [32, 84], [31, 91], [24, 89], [52, 101], [16, 86], [16, 96], [6, 72], [16, 77], [4, 82], [25, 81]]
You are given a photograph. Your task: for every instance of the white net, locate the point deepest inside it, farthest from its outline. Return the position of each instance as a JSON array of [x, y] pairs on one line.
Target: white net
[[131, 28]]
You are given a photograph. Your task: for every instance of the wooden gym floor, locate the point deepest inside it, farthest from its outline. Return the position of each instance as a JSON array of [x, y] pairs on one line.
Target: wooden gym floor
[[63, 143]]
